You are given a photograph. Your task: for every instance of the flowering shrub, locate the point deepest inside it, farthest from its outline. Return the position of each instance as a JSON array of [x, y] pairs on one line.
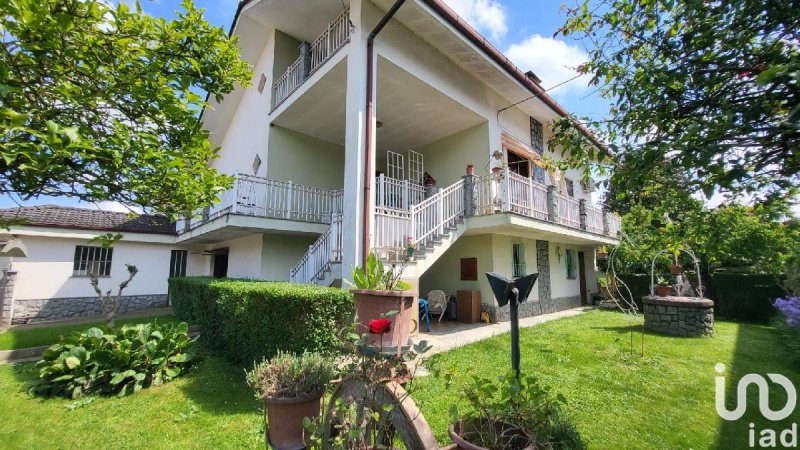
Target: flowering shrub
[[790, 307]]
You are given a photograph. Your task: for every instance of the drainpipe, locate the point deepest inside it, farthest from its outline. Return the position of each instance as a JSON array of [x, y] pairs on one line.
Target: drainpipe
[[369, 128]]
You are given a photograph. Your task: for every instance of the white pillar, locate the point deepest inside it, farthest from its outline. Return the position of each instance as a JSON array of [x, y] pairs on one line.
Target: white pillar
[[354, 144]]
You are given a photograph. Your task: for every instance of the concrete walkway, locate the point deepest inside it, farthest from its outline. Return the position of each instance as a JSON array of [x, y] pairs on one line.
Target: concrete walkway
[[446, 336]]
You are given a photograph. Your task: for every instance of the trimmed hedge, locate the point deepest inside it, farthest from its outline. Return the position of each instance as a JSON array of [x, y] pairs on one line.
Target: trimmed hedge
[[741, 296], [250, 320], [746, 297]]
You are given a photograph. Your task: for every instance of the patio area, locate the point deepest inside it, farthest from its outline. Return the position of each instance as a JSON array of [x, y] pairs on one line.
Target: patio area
[[447, 335]]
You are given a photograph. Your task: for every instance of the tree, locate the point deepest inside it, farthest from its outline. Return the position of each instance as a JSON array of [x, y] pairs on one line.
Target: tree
[[101, 103], [109, 306], [706, 89]]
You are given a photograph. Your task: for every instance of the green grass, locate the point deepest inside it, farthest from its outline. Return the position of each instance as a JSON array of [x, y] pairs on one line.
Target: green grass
[[211, 407], [664, 400], [16, 338]]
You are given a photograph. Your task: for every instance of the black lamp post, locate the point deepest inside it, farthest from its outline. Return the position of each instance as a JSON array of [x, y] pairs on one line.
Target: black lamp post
[[514, 292]]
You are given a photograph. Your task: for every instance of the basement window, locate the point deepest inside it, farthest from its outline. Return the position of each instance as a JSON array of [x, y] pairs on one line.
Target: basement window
[[177, 263], [517, 260], [92, 260]]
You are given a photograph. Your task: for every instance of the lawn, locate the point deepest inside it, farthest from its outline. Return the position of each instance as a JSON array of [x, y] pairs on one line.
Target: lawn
[[664, 400], [212, 407], [22, 337]]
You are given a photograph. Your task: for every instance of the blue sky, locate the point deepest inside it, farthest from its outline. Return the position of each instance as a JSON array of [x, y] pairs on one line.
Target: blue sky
[[523, 29]]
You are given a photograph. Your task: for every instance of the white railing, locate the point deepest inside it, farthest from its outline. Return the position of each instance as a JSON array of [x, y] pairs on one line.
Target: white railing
[[397, 194], [255, 196], [594, 219], [335, 36], [289, 81], [321, 254], [567, 211], [490, 194], [614, 225], [392, 228], [442, 210], [528, 197]]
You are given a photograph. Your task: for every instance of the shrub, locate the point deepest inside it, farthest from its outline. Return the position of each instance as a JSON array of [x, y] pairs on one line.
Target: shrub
[[249, 321], [120, 361], [291, 376], [746, 297]]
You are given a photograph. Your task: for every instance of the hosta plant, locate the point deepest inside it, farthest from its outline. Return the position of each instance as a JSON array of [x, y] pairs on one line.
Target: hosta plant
[[115, 361]]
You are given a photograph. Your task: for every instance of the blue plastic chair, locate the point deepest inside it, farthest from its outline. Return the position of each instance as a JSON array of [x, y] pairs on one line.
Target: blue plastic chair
[[423, 314]]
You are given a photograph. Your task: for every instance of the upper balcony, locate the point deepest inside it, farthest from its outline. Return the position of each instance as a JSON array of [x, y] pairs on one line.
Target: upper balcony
[[312, 56], [280, 205]]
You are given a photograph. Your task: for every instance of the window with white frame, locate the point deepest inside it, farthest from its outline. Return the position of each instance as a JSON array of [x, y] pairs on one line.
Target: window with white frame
[[92, 260], [177, 263], [572, 264], [518, 260]]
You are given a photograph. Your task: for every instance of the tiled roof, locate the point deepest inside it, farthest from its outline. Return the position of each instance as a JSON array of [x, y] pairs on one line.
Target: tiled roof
[[87, 219]]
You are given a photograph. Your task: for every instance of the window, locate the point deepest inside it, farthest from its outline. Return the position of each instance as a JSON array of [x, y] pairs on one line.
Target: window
[[537, 136], [92, 260], [570, 188], [518, 164], [518, 260], [572, 264], [177, 263]]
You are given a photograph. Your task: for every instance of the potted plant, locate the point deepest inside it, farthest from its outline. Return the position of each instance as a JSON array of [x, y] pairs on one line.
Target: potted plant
[[380, 293], [663, 288], [511, 413], [291, 387], [411, 247]]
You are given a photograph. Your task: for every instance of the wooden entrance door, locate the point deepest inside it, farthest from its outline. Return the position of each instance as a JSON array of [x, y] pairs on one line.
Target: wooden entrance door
[[582, 279]]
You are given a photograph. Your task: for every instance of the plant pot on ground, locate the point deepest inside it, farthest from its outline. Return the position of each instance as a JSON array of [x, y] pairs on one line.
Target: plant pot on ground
[[291, 387], [511, 413], [380, 293]]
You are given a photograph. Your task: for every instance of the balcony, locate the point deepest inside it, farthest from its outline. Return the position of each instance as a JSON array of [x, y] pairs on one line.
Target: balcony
[[261, 197], [312, 57]]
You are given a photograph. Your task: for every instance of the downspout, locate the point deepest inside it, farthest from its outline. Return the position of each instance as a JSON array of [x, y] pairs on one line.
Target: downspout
[[369, 126]]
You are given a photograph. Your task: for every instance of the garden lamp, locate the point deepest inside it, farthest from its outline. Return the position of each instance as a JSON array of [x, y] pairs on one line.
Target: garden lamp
[[514, 292]]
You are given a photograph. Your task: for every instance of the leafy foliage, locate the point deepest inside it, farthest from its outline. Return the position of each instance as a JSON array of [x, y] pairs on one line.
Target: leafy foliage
[[111, 361], [374, 276], [291, 376], [507, 411], [100, 102], [249, 320], [709, 89]]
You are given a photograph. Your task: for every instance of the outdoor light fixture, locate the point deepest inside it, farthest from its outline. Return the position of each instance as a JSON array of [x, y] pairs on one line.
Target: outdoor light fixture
[[512, 292]]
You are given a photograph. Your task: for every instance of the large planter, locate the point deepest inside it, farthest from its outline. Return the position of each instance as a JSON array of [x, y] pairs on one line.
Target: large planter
[[663, 290], [285, 420], [370, 305], [462, 431]]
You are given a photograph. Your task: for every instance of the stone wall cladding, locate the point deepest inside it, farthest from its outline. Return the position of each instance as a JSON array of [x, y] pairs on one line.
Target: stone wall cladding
[[679, 319], [46, 310], [533, 308], [7, 296], [543, 268]]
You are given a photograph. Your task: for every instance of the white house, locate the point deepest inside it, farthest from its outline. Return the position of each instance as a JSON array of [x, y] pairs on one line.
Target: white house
[[48, 279], [352, 111]]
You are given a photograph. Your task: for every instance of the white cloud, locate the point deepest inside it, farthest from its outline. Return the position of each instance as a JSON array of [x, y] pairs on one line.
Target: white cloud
[[551, 60], [486, 16]]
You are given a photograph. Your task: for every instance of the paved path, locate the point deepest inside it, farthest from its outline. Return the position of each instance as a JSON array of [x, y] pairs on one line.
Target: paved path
[[446, 336]]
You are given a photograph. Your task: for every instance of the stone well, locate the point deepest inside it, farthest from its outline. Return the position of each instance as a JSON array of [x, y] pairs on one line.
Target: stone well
[[679, 316]]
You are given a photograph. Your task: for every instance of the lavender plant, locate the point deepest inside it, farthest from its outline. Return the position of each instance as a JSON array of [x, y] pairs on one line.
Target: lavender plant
[[790, 307]]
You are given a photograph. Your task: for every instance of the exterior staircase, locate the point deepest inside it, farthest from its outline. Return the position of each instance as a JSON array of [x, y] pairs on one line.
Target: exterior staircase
[[322, 264]]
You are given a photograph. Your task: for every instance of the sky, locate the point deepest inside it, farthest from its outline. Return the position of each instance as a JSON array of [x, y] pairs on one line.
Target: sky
[[522, 29]]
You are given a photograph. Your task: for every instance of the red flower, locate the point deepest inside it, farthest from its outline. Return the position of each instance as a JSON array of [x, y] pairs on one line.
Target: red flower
[[379, 326]]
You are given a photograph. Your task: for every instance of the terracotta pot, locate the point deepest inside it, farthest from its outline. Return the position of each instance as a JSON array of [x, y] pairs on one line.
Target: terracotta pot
[[470, 169], [675, 269], [371, 304], [285, 420], [462, 431], [662, 290]]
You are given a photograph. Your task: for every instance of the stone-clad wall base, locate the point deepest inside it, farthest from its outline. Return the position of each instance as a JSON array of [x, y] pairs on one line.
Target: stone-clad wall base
[[678, 318], [46, 310], [533, 308]]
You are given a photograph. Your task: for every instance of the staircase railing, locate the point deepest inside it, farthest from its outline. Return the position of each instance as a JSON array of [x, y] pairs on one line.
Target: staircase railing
[[326, 250]]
